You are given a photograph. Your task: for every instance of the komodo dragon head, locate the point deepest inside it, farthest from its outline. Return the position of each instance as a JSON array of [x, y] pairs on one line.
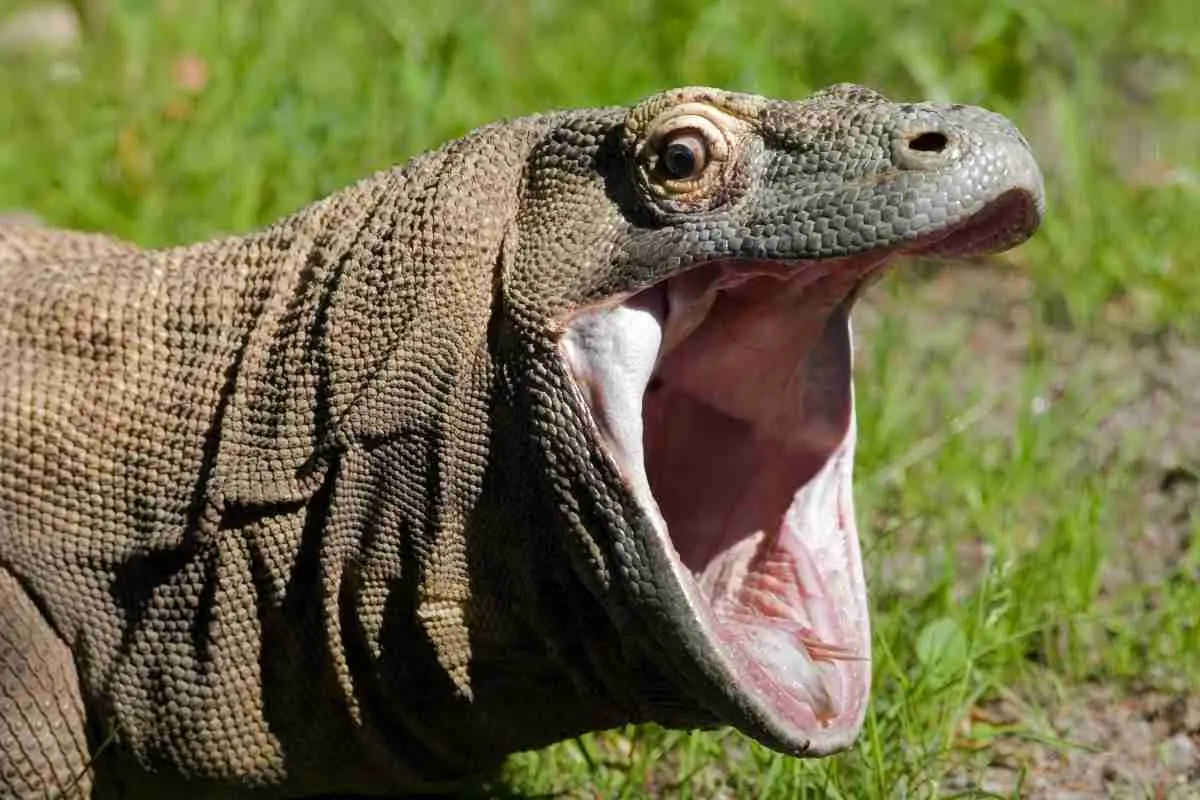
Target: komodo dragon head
[[688, 275], [569, 405]]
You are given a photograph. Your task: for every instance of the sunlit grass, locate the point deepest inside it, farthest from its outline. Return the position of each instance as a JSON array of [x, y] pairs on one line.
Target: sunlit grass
[[1001, 513]]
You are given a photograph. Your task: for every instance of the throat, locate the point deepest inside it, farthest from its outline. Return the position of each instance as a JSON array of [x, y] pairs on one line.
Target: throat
[[717, 479], [744, 412]]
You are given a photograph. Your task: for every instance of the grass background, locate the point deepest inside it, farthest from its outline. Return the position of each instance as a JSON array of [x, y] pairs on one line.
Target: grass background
[[177, 119]]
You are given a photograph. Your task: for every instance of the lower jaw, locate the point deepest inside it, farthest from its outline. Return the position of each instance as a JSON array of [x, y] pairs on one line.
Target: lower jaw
[[800, 651]]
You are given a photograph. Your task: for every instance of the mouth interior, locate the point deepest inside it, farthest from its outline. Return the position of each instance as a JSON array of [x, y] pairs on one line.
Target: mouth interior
[[724, 396]]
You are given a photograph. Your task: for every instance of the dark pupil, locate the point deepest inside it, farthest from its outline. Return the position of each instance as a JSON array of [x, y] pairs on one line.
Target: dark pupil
[[679, 160]]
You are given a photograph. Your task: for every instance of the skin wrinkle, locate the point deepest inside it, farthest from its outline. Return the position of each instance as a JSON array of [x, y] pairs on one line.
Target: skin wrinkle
[[418, 552]]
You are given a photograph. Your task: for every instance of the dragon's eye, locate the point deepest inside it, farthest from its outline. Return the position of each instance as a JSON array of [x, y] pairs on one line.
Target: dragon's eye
[[684, 155]]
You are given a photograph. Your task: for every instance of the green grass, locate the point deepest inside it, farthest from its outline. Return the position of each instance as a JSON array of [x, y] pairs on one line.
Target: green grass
[[1006, 518]]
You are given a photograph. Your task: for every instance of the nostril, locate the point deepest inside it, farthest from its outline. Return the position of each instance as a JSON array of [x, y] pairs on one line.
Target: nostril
[[928, 142]]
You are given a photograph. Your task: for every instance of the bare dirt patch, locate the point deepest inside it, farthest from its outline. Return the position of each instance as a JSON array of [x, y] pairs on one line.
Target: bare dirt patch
[[1094, 742]]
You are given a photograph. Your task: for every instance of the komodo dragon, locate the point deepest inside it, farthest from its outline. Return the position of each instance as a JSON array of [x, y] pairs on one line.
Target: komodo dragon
[[547, 431]]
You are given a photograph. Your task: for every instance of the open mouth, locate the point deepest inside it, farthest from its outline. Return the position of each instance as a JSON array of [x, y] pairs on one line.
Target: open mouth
[[724, 397]]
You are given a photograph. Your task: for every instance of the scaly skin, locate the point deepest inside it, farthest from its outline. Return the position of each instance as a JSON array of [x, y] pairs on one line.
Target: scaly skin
[[321, 509]]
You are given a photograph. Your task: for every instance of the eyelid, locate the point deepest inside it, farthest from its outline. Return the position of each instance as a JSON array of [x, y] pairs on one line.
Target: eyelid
[[714, 138], [721, 133], [717, 127]]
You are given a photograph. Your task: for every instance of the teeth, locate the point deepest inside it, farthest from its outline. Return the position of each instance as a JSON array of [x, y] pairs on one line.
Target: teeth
[[689, 297], [823, 651], [814, 541], [726, 575]]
